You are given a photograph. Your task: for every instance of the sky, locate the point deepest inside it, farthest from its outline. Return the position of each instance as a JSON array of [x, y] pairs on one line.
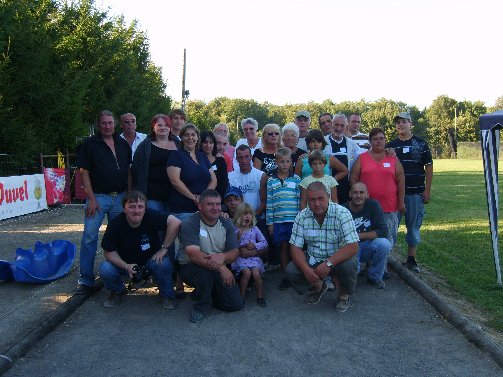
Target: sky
[[296, 51]]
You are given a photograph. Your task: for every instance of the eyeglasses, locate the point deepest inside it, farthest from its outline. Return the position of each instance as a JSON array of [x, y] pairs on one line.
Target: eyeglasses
[[129, 121], [273, 133]]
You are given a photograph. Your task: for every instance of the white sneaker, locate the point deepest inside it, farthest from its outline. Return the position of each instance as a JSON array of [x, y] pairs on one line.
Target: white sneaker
[[330, 284]]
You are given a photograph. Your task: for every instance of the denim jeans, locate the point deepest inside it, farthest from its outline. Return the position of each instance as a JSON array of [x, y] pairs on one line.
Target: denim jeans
[[163, 209], [210, 290], [113, 276], [414, 213], [376, 251], [110, 206]]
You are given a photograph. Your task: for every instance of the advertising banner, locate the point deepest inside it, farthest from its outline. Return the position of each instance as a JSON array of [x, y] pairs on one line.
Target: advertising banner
[[21, 195], [57, 186]]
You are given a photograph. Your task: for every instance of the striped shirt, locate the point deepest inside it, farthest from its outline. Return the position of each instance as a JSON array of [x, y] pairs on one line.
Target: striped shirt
[[338, 230], [414, 154], [283, 197]]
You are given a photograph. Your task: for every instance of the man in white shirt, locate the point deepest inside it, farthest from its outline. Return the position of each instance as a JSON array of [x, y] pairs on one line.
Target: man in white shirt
[[128, 125], [247, 178], [344, 149]]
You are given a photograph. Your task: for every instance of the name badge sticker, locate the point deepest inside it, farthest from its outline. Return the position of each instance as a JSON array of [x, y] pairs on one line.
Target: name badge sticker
[[386, 164], [215, 167], [343, 150], [405, 149], [145, 247], [203, 233]]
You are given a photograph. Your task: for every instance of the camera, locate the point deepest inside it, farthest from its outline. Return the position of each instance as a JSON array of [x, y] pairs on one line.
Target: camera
[[142, 273]]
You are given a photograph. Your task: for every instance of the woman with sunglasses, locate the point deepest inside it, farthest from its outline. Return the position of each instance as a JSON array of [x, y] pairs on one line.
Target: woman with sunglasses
[[264, 158]]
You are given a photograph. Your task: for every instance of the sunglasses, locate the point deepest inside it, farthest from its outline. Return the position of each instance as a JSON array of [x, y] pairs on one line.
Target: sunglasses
[[273, 133]]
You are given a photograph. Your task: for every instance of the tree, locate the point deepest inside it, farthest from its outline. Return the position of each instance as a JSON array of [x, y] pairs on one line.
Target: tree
[[440, 116], [61, 63]]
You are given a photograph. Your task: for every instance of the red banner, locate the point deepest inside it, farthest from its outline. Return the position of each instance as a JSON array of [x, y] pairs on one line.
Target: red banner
[[57, 186]]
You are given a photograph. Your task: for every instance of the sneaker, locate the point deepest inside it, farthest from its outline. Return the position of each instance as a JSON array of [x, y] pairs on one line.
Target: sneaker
[[261, 302], [379, 283], [196, 316], [343, 304], [115, 299], [315, 297], [284, 285], [82, 289], [411, 264], [330, 284], [168, 303]]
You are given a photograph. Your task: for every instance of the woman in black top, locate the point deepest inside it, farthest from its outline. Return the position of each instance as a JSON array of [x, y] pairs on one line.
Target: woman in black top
[[149, 163], [265, 158], [209, 148]]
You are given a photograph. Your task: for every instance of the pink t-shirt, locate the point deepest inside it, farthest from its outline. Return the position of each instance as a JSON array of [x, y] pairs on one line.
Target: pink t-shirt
[[380, 179]]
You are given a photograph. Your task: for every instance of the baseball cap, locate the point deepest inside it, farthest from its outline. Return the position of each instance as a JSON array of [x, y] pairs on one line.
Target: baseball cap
[[303, 113], [403, 115], [233, 190]]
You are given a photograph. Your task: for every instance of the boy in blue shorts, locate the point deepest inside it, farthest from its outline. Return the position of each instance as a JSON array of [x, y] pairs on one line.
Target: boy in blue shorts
[[282, 206]]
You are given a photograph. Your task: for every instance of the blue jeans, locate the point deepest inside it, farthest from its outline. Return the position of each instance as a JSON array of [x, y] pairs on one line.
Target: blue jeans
[[113, 276], [376, 251], [110, 206], [159, 206], [414, 214], [163, 209]]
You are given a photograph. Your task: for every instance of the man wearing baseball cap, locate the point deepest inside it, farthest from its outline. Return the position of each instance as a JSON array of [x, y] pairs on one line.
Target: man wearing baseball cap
[[303, 121], [415, 156]]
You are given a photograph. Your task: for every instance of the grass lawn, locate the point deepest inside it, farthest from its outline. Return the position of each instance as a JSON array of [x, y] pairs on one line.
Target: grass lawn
[[456, 241]]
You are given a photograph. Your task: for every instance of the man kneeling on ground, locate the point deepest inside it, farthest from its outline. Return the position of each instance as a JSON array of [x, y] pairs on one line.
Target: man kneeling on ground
[[372, 230], [131, 241], [209, 243], [329, 232]]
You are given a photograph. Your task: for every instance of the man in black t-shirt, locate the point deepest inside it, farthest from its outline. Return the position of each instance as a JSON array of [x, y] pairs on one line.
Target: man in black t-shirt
[[103, 161], [373, 246], [132, 239], [415, 156]]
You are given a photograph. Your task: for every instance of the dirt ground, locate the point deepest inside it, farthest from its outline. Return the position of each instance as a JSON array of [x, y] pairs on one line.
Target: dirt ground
[[453, 297], [20, 301]]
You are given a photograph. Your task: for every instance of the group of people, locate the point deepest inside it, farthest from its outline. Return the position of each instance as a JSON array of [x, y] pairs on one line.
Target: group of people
[[321, 205]]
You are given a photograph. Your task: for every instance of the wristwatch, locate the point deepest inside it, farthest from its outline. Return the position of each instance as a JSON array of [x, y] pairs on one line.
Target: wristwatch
[[164, 247], [328, 263]]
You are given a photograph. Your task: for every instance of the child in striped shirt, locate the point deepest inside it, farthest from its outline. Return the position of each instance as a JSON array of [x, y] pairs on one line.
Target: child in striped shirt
[[282, 205]]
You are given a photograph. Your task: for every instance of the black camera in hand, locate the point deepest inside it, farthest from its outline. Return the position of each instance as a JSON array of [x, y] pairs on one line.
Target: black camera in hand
[[142, 273]]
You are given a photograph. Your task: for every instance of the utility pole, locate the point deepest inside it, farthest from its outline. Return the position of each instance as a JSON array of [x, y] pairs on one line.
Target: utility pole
[[185, 93]]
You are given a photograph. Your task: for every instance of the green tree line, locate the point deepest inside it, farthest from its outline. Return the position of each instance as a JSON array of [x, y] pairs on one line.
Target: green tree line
[[444, 123], [61, 62]]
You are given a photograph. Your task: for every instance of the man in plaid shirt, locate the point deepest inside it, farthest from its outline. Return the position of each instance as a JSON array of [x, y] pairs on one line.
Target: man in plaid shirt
[[329, 232]]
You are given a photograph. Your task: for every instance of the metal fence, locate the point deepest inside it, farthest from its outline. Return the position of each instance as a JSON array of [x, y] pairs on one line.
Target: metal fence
[[11, 164]]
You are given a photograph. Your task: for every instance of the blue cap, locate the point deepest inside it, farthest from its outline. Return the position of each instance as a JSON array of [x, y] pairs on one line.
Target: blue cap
[[233, 190]]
